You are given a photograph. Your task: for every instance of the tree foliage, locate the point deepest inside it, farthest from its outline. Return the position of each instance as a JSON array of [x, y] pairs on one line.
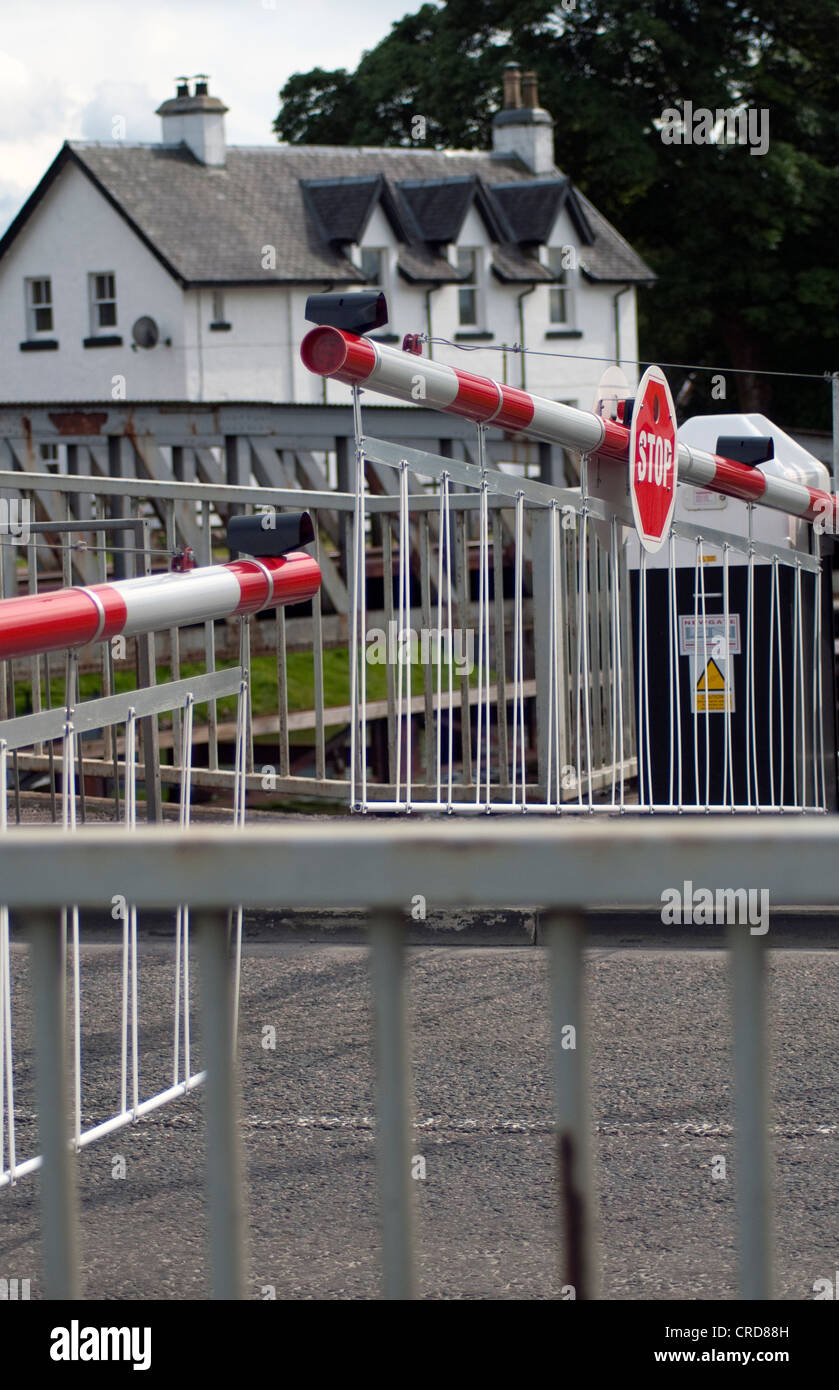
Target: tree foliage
[[744, 245]]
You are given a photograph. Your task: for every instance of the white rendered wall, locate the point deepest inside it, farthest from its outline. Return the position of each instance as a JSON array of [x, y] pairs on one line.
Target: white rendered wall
[[75, 232], [72, 233]]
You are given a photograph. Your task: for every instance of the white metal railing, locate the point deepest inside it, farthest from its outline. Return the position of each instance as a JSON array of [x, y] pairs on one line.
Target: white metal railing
[[459, 864], [717, 700], [615, 620], [304, 752], [61, 730]]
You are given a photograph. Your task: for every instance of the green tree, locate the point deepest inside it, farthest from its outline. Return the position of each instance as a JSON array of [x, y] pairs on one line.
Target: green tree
[[743, 244]]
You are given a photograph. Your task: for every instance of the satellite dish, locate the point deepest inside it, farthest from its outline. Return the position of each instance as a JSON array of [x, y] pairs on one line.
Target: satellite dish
[[145, 332]]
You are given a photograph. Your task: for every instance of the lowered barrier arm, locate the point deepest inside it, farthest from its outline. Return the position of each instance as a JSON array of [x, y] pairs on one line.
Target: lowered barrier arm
[[796, 727], [331, 352]]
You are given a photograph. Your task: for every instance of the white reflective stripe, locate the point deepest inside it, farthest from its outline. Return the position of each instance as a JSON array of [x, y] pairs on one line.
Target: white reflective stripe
[[695, 466], [787, 497], [413, 378], [699, 468], [579, 430], [165, 600]]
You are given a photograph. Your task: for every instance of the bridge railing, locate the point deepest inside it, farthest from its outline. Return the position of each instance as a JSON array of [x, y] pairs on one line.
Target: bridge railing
[[87, 529], [495, 864]]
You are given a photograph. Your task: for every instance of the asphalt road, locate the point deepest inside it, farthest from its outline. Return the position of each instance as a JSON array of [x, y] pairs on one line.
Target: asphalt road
[[486, 1209]]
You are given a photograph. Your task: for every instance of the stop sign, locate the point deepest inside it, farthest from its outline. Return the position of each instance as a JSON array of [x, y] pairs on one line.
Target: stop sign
[[653, 459]]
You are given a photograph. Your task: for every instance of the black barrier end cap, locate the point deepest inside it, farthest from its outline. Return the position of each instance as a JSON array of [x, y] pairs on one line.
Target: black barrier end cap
[[359, 311], [269, 533], [750, 449]]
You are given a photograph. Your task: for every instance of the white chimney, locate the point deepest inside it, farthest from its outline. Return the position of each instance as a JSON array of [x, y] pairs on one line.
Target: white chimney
[[196, 120], [523, 128]]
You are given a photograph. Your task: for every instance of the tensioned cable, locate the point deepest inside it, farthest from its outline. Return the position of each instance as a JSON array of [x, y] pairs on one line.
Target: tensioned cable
[[632, 361]]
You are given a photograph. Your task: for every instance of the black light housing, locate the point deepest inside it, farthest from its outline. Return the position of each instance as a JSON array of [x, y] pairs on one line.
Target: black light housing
[[750, 449], [270, 533], [359, 311]]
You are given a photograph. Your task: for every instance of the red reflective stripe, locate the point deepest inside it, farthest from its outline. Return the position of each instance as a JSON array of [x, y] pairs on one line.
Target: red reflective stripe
[[46, 622], [253, 583], [823, 507], [737, 480], [615, 440], [52, 622], [331, 352], [478, 397], [70, 618], [115, 610], [296, 578], [516, 410]]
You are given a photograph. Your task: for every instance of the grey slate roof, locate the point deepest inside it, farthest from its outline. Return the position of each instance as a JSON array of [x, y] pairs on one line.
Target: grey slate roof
[[340, 208], [512, 264], [438, 207], [209, 225], [610, 256], [532, 209]]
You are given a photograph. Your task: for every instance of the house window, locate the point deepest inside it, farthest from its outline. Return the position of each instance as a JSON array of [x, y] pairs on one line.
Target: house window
[[218, 323], [38, 306], [49, 457], [559, 293], [373, 265], [103, 302], [467, 294]]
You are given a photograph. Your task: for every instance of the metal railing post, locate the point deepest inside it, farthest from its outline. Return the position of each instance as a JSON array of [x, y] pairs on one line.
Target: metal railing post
[[58, 1189], [748, 993], [225, 1192], [564, 932], [387, 953]]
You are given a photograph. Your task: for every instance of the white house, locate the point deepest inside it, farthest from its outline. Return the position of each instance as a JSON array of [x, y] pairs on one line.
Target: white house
[[179, 271]]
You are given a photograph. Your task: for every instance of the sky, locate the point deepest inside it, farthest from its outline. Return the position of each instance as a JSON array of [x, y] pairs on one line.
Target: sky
[[67, 70]]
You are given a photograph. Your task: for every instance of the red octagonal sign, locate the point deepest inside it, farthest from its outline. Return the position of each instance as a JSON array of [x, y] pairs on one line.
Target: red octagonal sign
[[653, 459]]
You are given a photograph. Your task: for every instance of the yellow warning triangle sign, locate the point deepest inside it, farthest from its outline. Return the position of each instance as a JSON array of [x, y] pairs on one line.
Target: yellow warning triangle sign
[[712, 677]]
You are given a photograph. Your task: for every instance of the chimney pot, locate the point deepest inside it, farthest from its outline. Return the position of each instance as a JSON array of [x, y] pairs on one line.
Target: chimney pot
[[522, 130], [530, 89], [512, 87], [196, 120]]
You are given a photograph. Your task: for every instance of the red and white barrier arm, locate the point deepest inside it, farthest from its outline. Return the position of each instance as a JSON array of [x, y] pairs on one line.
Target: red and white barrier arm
[[68, 618], [331, 352]]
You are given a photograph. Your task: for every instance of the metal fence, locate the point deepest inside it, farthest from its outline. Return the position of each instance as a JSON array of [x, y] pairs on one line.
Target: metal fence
[[704, 652], [705, 670], [591, 676], [459, 864], [60, 731], [311, 752]]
